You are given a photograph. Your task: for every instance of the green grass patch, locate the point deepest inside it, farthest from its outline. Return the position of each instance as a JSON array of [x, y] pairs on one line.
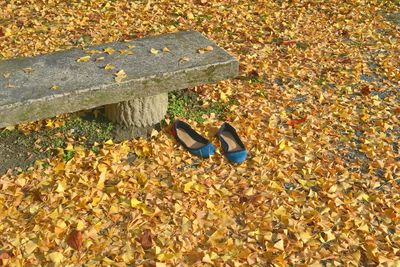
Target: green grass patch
[[186, 104]]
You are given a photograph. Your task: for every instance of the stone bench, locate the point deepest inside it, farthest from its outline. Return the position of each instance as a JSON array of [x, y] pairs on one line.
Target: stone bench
[[131, 79]]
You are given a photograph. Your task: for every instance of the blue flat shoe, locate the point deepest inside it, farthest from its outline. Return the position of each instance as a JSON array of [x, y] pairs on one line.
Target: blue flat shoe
[[191, 140], [233, 148]]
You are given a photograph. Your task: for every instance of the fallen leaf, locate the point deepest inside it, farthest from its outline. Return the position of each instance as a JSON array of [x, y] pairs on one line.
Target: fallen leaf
[[146, 239], [109, 50], [55, 87], [56, 257], [184, 60], [296, 121], [154, 51], [109, 67], [279, 245], [190, 16], [83, 59], [165, 49], [28, 70], [75, 239], [120, 75], [365, 90]]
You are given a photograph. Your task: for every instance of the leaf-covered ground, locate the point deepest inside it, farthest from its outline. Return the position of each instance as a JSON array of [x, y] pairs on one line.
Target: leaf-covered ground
[[317, 105]]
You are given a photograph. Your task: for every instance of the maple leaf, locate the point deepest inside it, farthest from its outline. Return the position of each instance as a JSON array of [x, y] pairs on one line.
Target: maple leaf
[[75, 239]]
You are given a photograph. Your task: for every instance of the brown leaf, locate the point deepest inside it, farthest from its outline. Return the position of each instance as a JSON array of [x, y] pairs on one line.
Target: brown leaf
[[1, 32], [365, 90], [145, 239], [74, 239], [5, 255], [294, 122]]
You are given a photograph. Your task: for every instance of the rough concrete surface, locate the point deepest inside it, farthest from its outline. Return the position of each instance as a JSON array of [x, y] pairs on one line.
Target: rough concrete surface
[[25, 83]]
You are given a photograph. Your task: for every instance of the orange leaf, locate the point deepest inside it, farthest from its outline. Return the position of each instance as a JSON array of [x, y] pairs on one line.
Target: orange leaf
[[5, 255], [294, 122], [145, 239], [75, 239]]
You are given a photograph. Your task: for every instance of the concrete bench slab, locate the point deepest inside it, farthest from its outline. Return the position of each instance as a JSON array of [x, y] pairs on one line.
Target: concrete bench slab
[[56, 83]]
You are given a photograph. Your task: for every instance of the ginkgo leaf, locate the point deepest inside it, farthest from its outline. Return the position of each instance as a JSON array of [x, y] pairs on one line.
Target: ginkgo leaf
[[83, 59], [190, 16], [279, 245], [120, 75], [154, 51], [165, 49], [109, 67], [184, 60], [109, 50], [56, 257]]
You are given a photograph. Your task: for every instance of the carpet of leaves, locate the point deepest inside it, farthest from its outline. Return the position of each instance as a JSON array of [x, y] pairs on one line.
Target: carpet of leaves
[[318, 108]]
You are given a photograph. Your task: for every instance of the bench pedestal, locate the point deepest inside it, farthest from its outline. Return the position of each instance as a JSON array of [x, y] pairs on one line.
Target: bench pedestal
[[137, 117]]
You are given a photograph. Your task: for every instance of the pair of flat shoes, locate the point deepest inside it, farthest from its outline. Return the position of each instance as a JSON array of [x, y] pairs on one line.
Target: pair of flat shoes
[[233, 148]]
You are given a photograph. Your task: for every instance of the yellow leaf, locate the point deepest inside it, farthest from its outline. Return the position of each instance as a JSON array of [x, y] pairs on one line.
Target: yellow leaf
[[281, 211], [184, 59], [7, 32], [135, 203], [120, 75], [209, 204], [109, 50], [30, 247], [60, 187], [154, 51], [93, 51], [83, 59], [363, 196], [108, 142], [364, 227], [279, 245], [69, 147], [207, 259], [109, 67], [188, 186], [131, 46], [329, 236], [100, 59], [223, 97], [305, 236], [55, 87], [125, 52], [56, 257], [113, 209], [165, 49], [80, 225], [209, 48], [190, 16]]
